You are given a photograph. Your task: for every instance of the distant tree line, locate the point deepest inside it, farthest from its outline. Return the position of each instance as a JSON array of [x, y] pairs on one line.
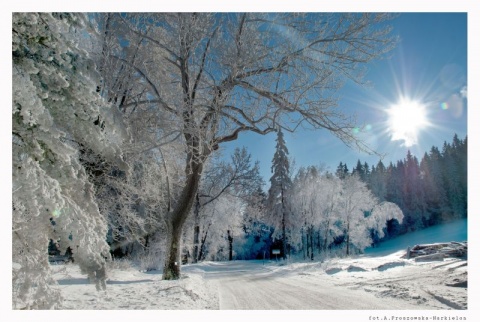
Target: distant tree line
[[429, 192]]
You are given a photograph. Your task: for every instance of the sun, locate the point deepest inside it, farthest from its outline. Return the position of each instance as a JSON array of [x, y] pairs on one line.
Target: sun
[[405, 120]]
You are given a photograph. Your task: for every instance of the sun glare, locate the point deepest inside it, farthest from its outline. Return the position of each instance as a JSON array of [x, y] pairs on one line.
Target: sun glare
[[406, 119]]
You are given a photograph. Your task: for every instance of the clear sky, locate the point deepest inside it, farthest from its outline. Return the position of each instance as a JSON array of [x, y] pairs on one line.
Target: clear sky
[[428, 67]]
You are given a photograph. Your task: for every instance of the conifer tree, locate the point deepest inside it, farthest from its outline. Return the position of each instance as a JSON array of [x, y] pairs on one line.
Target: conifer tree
[[359, 170], [433, 185], [342, 171], [279, 192], [378, 182], [452, 176], [413, 195]]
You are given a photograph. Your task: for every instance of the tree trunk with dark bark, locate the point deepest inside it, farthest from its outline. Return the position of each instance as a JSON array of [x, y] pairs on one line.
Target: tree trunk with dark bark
[[171, 270], [319, 242], [311, 243], [201, 252], [175, 221], [196, 229], [284, 228], [230, 246], [304, 244], [284, 238], [325, 241], [308, 243], [348, 238]]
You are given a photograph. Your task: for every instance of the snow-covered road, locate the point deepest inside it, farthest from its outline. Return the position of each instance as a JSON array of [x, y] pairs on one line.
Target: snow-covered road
[[357, 283], [252, 286]]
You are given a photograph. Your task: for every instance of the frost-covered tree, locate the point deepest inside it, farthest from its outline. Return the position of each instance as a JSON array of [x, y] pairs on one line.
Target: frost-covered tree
[[361, 213], [313, 205], [256, 232], [220, 223], [135, 209], [329, 208], [279, 194], [299, 202], [237, 178], [356, 200], [55, 114], [381, 214], [331, 193], [133, 205], [215, 76]]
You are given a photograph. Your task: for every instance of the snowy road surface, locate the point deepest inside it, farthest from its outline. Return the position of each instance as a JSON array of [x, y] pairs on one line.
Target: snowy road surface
[[251, 286], [360, 283]]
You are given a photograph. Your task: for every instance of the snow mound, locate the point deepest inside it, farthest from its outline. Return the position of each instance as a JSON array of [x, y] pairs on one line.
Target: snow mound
[[353, 268], [390, 265], [333, 270], [132, 289]]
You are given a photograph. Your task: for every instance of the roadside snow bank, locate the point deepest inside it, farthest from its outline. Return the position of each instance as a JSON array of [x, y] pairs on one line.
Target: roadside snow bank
[[439, 285], [131, 289]]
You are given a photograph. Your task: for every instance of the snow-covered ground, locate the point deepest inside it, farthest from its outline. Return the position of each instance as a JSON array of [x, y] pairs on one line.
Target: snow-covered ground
[[128, 288], [455, 231], [367, 282], [388, 282], [213, 285]]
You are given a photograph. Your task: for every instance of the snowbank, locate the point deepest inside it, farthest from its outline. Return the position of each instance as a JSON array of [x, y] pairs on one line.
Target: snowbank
[[128, 288]]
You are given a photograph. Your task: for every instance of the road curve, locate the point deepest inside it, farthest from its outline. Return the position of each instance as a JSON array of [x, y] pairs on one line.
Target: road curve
[[257, 288]]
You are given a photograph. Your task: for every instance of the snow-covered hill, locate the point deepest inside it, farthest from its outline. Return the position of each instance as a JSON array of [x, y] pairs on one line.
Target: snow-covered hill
[[454, 231]]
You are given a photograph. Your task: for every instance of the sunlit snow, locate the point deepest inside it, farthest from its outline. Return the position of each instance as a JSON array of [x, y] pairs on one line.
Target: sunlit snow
[[380, 279]]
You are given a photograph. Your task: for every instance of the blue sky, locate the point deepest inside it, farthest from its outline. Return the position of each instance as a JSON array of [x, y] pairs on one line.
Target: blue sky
[[428, 66]]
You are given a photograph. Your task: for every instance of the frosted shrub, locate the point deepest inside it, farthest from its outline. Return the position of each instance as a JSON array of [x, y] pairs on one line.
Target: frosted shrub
[[53, 112], [151, 258]]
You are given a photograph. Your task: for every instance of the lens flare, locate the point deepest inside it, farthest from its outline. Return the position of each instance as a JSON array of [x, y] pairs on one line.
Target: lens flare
[[406, 119]]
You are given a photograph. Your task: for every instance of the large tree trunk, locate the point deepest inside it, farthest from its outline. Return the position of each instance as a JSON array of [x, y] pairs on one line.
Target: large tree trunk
[[171, 270], [175, 221]]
